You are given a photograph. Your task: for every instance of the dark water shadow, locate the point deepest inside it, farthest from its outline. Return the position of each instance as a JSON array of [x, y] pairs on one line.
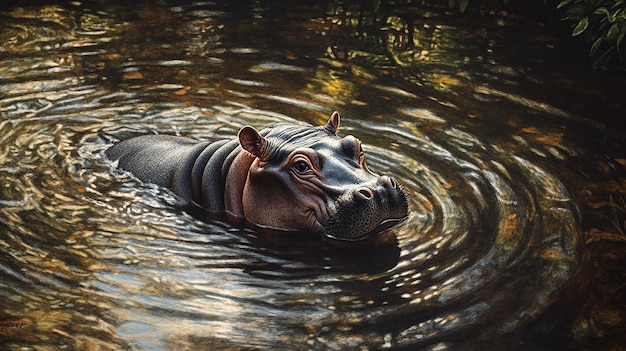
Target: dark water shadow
[[375, 254]]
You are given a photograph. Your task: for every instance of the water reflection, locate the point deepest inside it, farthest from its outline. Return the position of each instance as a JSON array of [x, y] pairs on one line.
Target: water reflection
[[92, 258]]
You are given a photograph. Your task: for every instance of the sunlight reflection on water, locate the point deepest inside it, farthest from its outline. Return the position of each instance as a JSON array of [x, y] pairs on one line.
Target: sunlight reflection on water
[[491, 242]]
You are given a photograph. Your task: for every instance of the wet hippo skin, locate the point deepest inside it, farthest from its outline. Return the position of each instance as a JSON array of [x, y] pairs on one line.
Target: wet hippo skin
[[287, 178]]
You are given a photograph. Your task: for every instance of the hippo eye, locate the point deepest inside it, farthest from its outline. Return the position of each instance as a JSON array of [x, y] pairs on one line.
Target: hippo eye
[[301, 166]]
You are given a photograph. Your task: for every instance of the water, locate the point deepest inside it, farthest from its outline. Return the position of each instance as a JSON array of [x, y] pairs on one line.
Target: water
[[508, 174]]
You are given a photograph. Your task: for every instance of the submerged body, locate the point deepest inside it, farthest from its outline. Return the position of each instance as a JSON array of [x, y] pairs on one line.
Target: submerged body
[[288, 178]]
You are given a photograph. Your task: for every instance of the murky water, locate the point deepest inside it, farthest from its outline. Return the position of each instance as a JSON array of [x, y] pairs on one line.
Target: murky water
[[497, 157]]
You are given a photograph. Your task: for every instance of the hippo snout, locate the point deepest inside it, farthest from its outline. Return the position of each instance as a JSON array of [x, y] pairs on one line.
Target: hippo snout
[[367, 209], [388, 184]]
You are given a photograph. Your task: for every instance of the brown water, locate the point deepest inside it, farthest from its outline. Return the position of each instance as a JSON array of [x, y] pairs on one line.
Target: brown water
[[508, 168]]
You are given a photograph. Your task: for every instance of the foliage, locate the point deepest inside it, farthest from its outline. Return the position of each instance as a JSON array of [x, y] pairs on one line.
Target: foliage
[[601, 22]]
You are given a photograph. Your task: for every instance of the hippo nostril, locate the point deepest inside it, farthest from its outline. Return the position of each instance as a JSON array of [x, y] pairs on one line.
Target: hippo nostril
[[388, 182], [366, 193]]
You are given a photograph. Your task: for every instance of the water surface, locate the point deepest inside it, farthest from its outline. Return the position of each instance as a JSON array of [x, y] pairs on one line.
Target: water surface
[[501, 162]]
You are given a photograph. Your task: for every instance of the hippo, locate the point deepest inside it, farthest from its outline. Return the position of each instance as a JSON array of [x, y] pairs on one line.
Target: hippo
[[294, 178]]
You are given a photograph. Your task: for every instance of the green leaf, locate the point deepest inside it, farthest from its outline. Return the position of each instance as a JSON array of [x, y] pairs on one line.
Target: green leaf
[[595, 46], [451, 3], [563, 3], [602, 11], [613, 33], [581, 26], [463, 5]]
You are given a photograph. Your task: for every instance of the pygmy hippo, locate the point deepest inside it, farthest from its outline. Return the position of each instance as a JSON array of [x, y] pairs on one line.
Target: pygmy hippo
[[287, 178]]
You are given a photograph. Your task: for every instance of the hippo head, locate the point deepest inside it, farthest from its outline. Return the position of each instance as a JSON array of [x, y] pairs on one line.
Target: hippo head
[[309, 179]]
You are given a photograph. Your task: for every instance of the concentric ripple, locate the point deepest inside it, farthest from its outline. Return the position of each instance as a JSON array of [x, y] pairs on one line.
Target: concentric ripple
[[491, 243], [494, 239], [91, 258]]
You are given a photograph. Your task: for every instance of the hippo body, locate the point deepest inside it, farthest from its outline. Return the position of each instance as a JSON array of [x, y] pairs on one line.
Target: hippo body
[[287, 178]]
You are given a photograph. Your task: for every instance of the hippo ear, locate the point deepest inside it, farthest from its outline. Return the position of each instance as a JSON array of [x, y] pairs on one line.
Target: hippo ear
[[251, 141], [333, 123]]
